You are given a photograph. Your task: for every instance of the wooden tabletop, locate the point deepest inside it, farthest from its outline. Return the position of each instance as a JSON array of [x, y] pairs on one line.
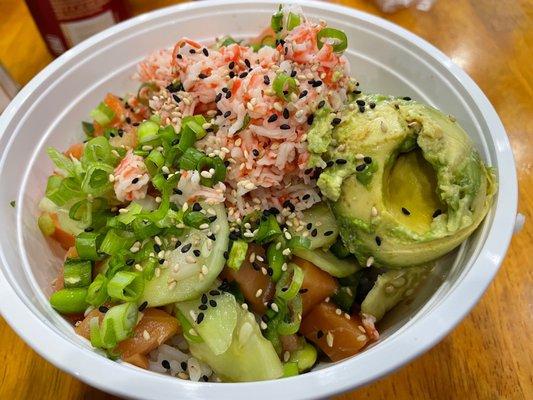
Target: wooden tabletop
[[490, 354]]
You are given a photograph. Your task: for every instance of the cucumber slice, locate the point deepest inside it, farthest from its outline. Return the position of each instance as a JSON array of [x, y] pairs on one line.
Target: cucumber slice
[[327, 262], [250, 357], [65, 222], [189, 282], [391, 288], [217, 324], [321, 225]]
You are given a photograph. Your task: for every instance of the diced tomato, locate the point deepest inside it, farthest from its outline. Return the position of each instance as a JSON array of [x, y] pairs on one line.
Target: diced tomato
[[317, 284], [159, 327], [76, 150], [252, 281], [335, 334], [65, 239]]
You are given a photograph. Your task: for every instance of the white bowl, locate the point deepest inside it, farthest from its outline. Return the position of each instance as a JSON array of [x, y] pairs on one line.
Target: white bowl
[[384, 57]]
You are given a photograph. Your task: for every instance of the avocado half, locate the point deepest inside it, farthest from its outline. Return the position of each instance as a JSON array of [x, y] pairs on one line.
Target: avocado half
[[406, 185]]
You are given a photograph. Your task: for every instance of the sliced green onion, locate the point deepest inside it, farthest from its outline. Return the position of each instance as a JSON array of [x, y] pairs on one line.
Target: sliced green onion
[[69, 301], [276, 22], [98, 149], [167, 133], [284, 85], [118, 324], [67, 191], [145, 229], [187, 138], [268, 41], [293, 20], [275, 259], [86, 244], [299, 242], [81, 211], [215, 163], [148, 267], [103, 114], [195, 219], [127, 218], [147, 131], [344, 297], [88, 128], [96, 180], [190, 159], [245, 122], [337, 36], [237, 254], [339, 249], [54, 182], [268, 230], [197, 124], [116, 240], [164, 206], [46, 224], [154, 162], [188, 331], [289, 324], [226, 41], [126, 285], [97, 291], [290, 282], [175, 86], [146, 91], [94, 333], [77, 273], [61, 161], [290, 369]]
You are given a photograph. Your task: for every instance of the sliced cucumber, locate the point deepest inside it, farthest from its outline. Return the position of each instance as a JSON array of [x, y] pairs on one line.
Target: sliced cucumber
[[189, 280], [391, 288], [214, 325], [65, 222], [327, 262], [321, 225], [250, 357]]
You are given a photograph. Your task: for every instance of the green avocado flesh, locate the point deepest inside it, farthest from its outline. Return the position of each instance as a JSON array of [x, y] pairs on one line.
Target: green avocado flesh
[[420, 190]]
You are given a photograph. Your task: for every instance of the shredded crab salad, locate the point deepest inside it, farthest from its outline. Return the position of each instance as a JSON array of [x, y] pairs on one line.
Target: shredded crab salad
[[196, 235]]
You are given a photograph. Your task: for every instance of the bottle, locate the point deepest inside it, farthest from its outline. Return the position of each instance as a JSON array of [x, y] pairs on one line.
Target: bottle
[[65, 23]]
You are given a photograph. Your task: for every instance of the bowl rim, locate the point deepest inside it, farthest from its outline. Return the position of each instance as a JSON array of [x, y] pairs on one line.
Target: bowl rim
[[125, 380]]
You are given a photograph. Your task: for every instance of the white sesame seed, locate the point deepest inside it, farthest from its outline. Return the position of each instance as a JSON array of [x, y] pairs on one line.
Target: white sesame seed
[[161, 254], [284, 267], [389, 289], [286, 356], [374, 212], [146, 335], [370, 261], [361, 338], [338, 311], [347, 316], [205, 270], [278, 245], [204, 226], [244, 306], [248, 234], [360, 327], [329, 339], [359, 156], [138, 267], [259, 292], [274, 307], [186, 101], [286, 252], [172, 285], [259, 258], [157, 240], [111, 178], [288, 236], [165, 169], [123, 210], [147, 147], [264, 271], [206, 174], [278, 107], [263, 325], [115, 153]]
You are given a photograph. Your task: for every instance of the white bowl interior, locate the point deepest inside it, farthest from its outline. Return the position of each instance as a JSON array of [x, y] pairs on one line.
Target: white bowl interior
[[382, 60]]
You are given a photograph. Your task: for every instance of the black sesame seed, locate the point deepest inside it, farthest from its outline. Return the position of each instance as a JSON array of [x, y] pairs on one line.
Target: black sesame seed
[[120, 132], [200, 318], [226, 255], [256, 266], [360, 102], [165, 364], [179, 56], [243, 75], [255, 152], [319, 334], [264, 318], [367, 160], [306, 196], [437, 212], [360, 167], [196, 253], [135, 180], [136, 123], [330, 163], [284, 127], [212, 237], [407, 98], [231, 65], [218, 97], [314, 232], [361, 109], [272, 118], [247, 62], [196, 207], [192, 51], [321, 104], [89, 229], [234, 235], [266, 80], [212, 303], [273, 211], [206, 53], [357, 91], [310, 119], [178, 244], [303, 290], [308, 171], [186, 248], [328, 233], [203, 299], [228, 94], [205, 378], [317, 84], [378, 240], [128, 120], [202, 75], [176, 98], [309, 225], [303, 94], [270, 271], [202, 307], [335, 121], [372, 105], [293, 74], [227, 114], [341, 161], [183, 365], [103, 309], [143, 306], [214, 292], [161, 261], [177, 191], [285, 113], [406, 211], [231, 74]]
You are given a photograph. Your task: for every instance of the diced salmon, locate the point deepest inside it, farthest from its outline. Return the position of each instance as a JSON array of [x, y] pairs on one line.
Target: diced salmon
[[335, 334], [252, 281], [317, 284], [65, 239], [83, 328], [139, 360], [154, 329]]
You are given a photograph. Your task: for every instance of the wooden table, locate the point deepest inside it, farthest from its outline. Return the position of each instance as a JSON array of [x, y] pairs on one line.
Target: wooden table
[[489, 356]]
